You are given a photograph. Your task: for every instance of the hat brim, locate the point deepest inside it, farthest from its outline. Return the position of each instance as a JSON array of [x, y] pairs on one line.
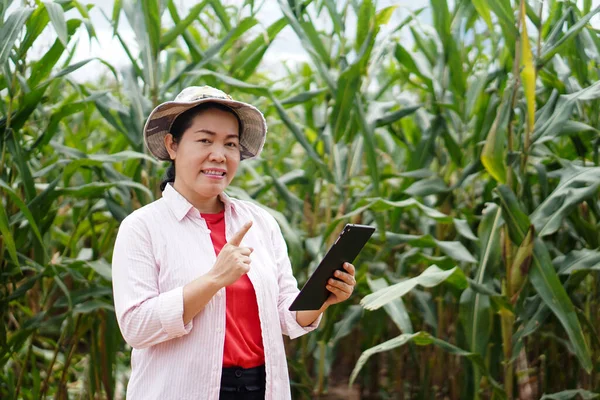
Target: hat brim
[[158, 124]]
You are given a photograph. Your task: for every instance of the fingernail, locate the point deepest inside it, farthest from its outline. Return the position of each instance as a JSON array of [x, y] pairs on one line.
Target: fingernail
[[337, 273]]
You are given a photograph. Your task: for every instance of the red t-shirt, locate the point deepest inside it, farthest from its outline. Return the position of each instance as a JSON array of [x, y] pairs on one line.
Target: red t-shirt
[[243, 337]]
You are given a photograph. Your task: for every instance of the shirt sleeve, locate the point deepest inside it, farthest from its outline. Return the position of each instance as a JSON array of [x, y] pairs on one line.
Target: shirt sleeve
[[288, 287], [145, 315]]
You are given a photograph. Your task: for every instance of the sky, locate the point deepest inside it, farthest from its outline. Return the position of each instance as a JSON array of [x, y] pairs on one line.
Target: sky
[[286, 47]]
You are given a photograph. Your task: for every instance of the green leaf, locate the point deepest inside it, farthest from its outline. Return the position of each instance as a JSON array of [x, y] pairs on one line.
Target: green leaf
[[489, 236], [395, 308], [456, 250], [366, 22], [484, 11], [116, 14], [380, 205], [494, 151], [67, 71], [241, 28], [453, 249], [442, 21], [578, 260], [549, 50], [543, 276], [418, 174], [426, 187], [570, 394], [316, 40], [180, 27], [475, 91], [527, 72], [306, 41], [463, 228], [348, 322], [57, 17], [424, 339], [25, 210], [300, 137], [522, 262], [7, 236], [98, 189], [554, 122], [368, 135], [406, 59], [348, 84], [303, 97], [10, 30], [151, 14], [217, 6], [92, 306], [336, 18], [102, 268], [576, 184], [42, 68], [246, 61], [431, 277], [394, 116], [195, 68], [506, 19]]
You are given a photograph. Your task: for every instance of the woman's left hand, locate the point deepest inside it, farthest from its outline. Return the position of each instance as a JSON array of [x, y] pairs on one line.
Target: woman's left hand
[[341, 288]]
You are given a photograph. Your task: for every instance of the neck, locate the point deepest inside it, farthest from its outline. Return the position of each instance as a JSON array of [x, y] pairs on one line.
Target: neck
[[204, 204]]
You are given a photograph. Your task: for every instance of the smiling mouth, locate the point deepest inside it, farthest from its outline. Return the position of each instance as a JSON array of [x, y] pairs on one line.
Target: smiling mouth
[[210, 172]]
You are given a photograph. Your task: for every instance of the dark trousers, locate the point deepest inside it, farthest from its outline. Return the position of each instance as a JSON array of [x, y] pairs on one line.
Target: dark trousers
[[243, 384]]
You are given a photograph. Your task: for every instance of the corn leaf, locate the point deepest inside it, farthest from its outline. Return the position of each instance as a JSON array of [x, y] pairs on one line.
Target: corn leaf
[[527, 70], [10, 30], [431, 277], [543, 276]]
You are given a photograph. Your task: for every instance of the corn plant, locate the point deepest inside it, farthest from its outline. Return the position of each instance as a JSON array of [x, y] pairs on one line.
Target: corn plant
[[468, 138]]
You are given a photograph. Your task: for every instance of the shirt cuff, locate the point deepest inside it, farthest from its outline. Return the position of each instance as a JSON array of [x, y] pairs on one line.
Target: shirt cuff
[[170, 311], [296, 330]]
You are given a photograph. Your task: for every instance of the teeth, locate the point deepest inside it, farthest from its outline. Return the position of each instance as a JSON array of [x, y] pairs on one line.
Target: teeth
[[214, 173]]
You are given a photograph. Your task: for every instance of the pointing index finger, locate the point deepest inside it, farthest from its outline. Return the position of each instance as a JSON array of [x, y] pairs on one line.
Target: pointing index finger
[[236, 239]]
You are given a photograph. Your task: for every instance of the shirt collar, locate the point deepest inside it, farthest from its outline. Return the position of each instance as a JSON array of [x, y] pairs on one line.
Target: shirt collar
[[181, 207]]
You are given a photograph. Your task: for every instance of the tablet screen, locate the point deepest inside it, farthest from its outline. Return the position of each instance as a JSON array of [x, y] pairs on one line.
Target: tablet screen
[[345, 249]]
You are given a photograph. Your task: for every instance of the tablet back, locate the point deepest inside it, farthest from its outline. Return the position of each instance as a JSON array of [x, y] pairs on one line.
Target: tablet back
[[345, 249]]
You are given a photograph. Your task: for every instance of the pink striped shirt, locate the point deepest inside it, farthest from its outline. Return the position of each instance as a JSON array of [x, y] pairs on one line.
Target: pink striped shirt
[[159, 249]]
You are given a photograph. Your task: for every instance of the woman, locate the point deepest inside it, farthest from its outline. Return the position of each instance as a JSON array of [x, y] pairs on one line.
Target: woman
[[202, 282]]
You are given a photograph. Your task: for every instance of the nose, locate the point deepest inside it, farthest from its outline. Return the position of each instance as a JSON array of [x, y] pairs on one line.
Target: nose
[[217, 154]]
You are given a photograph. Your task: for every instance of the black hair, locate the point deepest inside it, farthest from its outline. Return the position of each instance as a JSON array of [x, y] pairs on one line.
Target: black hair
[[183, 122]]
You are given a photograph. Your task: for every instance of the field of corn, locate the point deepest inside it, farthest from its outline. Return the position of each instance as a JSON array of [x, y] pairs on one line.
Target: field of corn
[[466, 131]]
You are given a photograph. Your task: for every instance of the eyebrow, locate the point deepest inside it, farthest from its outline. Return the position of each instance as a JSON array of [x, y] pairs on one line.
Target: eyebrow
[[211, 133]]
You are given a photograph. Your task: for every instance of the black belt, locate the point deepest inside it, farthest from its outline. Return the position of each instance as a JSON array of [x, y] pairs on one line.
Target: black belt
[[237, 379]]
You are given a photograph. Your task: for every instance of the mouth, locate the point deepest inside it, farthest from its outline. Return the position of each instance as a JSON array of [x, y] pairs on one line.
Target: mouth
[[214, 173]]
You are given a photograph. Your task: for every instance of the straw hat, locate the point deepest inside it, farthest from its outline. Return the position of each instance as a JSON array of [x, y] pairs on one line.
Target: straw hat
[[252, 134]]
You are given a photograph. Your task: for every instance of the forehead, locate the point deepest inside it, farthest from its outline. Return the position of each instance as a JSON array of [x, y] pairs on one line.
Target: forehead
[[215, 121]]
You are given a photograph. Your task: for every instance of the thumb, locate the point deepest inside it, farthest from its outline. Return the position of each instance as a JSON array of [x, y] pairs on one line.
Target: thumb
[[236, 240]]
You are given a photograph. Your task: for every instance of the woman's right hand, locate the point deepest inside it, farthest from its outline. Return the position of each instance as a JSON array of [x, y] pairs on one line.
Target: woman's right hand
[[233, 261]]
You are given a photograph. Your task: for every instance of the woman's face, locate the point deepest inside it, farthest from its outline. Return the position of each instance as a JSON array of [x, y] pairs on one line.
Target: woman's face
[[207, 155]]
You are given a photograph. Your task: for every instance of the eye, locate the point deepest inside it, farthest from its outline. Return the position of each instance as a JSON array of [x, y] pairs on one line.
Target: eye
[[203, 141], [232, 144]]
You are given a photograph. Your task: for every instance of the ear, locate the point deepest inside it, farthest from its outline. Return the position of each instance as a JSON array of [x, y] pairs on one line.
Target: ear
[[170, 145]]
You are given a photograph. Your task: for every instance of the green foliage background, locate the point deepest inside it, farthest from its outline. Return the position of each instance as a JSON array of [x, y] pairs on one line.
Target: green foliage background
[[473, 149]]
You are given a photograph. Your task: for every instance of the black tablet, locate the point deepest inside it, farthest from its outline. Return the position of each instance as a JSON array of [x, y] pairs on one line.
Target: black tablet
[[345, 249]]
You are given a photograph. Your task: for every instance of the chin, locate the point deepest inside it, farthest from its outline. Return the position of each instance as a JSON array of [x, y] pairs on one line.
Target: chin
[[211, 188]]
